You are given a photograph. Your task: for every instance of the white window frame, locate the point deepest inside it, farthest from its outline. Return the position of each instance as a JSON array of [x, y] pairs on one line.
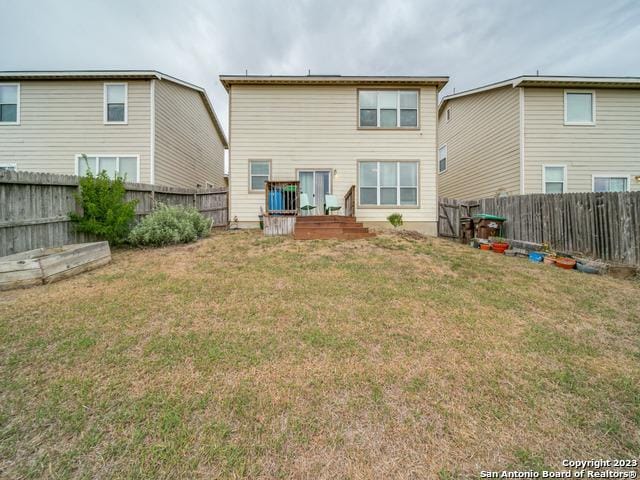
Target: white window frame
[[397, 205], [446, 158], [126, 103], [544, 177], [112, 155], [398, 109], [593, 107], [251, 175], [13, 84], [610, 175], [7, 165], [448, 114]]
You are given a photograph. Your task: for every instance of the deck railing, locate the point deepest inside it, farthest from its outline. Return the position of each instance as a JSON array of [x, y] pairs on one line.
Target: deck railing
[[282, 197], [350, 202]]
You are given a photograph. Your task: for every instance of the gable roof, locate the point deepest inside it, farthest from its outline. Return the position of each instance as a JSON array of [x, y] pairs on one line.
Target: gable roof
[[550, 81], [435, 81], [118, 75]]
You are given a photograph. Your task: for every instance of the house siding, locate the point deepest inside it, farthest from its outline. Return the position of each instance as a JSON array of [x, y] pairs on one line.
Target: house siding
[[483, 145], [188, 148], [62, 118], [316, 127], [612, 146]]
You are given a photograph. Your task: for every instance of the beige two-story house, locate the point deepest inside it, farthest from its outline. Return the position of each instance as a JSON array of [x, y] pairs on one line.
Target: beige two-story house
[[539, 134], [332, 133], [145, 125]]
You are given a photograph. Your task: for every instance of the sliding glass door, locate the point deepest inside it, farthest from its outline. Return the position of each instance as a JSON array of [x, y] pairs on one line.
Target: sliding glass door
[[315, 184]]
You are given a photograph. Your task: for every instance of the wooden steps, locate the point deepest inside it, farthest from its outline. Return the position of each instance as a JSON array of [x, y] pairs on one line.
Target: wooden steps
[[321, 227]]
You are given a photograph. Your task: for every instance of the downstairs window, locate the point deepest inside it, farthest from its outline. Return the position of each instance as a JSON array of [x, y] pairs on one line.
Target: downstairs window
[[388, 183]]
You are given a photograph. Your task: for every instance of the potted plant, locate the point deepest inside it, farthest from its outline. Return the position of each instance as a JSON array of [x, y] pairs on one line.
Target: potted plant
[[499, 245], [549, 259]]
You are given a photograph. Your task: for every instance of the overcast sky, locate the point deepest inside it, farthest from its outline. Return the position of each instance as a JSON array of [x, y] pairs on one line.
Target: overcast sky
[[473, 42]]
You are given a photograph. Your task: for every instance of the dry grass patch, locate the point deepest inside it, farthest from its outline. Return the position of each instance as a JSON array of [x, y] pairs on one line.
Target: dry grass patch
[[245, 356]]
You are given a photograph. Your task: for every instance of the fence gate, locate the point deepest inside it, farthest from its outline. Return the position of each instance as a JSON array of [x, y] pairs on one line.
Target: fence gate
[[449, 213]]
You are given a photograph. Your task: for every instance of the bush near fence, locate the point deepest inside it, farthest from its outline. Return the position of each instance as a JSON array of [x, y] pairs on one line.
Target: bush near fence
[[605, 226], [35, 207]]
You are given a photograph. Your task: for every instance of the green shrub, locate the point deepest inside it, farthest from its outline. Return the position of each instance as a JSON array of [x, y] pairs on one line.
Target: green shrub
[[395, 219], [104, 210], [168, 225]]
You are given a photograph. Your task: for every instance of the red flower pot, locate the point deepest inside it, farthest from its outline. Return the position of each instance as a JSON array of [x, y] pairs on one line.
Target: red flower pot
[[566, 263], [485, 246], [499, 247]]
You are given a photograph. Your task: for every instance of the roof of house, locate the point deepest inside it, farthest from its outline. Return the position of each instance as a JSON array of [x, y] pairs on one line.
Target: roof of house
[[551, 81], [436, 81], [117, 75]]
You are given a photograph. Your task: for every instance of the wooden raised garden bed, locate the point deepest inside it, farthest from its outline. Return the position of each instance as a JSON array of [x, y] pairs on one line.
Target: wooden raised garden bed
[[46, 265]]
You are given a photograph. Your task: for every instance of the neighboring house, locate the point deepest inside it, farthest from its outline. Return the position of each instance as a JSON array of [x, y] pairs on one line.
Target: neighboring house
[[146, 125], [331, 133], [538, 134]]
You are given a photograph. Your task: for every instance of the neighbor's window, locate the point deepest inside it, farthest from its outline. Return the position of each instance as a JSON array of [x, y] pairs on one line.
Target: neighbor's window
[[554, 179], [259, 171], [8, 167], [579, 107], [442, 158], [9, 102], [610, 184], [448, 114], [388, 108], [114, 165], [115, 103], [389, 183]]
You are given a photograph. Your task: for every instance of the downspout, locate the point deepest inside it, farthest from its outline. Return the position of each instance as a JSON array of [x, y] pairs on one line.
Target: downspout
[[522, 150], [152, 145]]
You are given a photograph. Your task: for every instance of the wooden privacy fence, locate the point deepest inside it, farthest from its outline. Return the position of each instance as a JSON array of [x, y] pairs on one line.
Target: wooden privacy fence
[[35, 207], [598, 225]]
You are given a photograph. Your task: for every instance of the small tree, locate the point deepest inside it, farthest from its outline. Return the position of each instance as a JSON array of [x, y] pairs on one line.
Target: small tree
[[395, 219], [105, 213]]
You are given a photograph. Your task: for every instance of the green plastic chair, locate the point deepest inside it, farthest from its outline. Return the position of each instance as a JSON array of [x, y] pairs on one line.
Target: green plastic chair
[[331, 204], [305, 204]]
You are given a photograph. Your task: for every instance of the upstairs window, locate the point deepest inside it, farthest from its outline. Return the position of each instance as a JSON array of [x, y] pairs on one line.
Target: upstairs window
[[259, 173], [610, 184], [579, 107], [554, 179], [9, 103], [115, 103], [388, 108], [448, 114], [442, 159]]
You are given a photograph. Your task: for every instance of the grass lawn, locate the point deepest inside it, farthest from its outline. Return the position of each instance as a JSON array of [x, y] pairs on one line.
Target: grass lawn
[[246, 356]]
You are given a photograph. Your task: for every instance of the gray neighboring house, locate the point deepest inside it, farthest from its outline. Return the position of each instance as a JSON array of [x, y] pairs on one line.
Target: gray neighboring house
[[152, 127], [540, 134]]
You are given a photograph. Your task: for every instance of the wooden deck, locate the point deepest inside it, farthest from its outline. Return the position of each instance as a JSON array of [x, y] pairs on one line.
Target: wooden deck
[[321, 227]]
